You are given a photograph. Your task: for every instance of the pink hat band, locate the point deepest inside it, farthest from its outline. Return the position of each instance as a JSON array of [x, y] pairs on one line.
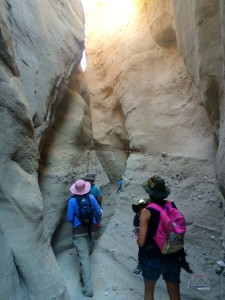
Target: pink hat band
[[80, 187]]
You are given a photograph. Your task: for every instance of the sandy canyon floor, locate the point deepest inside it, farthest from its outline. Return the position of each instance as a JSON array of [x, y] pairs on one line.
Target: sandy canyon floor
[[195, 192]]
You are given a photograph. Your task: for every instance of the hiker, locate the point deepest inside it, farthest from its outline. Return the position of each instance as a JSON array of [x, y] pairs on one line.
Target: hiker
[[95, 190], [120, 184], [137, 208], [155, 262], [83, 208]]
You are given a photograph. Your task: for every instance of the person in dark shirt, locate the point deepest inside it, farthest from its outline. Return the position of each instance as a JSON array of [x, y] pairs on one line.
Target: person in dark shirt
[[156, 263]]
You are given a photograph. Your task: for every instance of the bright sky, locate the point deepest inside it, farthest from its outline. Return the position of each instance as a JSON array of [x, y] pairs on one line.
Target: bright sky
[[112, 14], [107, 16]]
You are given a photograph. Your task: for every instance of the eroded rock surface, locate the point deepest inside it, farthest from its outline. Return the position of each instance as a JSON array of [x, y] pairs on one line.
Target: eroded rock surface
[[161, 105], [164, 69], [155, 89], [41, 48]]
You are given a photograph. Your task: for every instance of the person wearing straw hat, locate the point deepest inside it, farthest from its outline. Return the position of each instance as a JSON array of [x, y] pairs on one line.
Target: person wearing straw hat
[[81, 238]]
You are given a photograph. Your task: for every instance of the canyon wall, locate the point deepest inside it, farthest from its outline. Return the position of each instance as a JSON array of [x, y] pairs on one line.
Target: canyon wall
[[163, 67], [162, 72], [220, 162], [41, 45], [153, 88], [140, 74], [202, 49]]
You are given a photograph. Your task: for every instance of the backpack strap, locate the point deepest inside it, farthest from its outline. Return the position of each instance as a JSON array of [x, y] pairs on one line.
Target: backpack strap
[[78, 206], [79, 209], [155, 206], [89, 199], [78, 201], [168, 203], [89, 227], [158, 207]]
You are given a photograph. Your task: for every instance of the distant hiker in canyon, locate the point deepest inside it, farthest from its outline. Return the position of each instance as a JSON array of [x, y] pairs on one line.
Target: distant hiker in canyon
[[165, 260], [137, 209], [84, 213], [95, 190], [120, 184]]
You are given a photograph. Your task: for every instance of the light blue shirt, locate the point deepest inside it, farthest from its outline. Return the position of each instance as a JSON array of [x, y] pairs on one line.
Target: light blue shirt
[[95, 191]]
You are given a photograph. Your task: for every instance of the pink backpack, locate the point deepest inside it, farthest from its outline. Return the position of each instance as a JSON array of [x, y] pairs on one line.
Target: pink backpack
[[172, 227]]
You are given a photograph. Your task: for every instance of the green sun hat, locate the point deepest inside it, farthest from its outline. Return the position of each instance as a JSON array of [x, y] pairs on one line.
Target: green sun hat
[[156, 187]]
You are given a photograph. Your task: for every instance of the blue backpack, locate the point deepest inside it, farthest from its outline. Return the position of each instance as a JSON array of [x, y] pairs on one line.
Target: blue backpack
[[86, 212]]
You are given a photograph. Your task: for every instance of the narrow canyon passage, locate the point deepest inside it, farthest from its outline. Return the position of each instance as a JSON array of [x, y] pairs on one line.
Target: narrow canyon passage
[[146, 120], [115, 254], [148, 99]]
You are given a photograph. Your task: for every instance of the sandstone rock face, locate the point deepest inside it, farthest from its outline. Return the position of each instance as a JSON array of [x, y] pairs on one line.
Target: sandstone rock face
[[163, 69], [67, 153], [41, 48], [198, 30], [199, 27], [220, 163], [141, 72], [160, 20], [154, 85]]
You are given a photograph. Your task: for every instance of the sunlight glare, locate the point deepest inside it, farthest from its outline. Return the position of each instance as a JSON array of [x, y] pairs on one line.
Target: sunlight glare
[[106, 17], [83, 62], [110, 15]]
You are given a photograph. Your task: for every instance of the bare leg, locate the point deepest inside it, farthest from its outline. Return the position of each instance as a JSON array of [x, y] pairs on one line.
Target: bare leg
[[149, 290], [173, 290]]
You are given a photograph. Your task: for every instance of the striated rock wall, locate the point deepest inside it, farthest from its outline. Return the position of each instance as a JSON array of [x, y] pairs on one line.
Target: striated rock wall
[[220, 162], [199, 27], [164, 69], [154, 86], [140, 69], [198, 31], [41, 46]]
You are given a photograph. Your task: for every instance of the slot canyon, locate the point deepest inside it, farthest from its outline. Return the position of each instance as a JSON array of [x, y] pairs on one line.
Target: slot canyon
[[132, 88]]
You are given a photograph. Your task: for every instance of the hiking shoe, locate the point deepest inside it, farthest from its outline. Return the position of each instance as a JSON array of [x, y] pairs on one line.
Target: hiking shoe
[[138, 269]]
